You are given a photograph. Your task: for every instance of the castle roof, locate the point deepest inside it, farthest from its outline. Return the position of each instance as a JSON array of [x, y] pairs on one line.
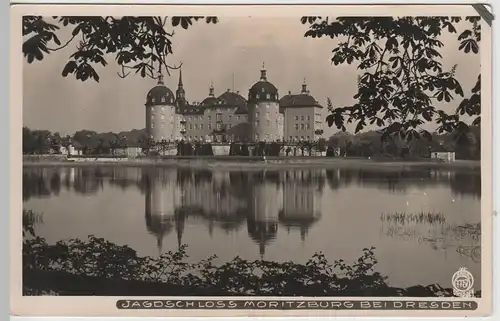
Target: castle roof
[[160, 94]]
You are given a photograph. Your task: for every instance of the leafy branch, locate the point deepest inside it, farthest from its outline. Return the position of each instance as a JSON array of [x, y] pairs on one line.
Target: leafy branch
[[141, 44], [401, 73]]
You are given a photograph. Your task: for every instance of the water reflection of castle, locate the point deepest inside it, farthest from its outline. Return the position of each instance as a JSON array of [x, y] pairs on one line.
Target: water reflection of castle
[[225, 200]]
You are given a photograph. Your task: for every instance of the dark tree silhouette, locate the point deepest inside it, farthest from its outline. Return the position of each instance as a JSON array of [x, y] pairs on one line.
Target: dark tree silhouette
[[140, 44], [402, 74]]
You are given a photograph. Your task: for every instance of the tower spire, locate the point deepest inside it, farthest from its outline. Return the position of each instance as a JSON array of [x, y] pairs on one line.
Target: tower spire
[[180, 77], [304, 87], [263, 75], [180, 94], [211, 89]]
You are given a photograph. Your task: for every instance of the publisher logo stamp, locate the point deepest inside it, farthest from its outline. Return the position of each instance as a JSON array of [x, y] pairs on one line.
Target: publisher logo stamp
[[463, 283]]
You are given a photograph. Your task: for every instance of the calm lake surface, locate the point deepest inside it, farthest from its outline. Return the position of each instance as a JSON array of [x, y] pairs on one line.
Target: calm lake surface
[[420, 221]]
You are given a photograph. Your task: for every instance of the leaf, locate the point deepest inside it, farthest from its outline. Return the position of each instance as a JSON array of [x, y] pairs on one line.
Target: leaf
[[69, 68]]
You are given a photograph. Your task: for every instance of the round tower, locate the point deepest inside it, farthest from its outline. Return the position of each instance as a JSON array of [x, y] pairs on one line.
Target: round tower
[[160, 112], [263, 111]]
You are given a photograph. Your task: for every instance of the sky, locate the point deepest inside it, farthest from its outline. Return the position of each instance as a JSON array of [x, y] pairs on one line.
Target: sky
[[234, 46]]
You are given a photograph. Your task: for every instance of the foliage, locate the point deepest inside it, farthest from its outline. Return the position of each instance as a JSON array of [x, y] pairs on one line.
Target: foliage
[[140, 44], [100, 258], [370, 144], [402, 76]]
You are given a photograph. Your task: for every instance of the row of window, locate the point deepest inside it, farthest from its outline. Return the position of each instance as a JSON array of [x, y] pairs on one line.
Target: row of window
[[302, 126], [268, 123], [265, 95], [302, 117], [209, 126], [170, 100]]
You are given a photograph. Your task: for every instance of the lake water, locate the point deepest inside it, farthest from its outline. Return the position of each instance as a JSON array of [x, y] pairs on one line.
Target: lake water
[[418, 220]]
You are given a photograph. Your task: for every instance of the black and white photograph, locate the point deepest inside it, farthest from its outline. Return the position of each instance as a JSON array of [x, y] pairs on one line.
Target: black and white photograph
[[251, 155]]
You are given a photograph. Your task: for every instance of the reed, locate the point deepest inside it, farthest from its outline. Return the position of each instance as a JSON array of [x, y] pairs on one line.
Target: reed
[[402, 218]]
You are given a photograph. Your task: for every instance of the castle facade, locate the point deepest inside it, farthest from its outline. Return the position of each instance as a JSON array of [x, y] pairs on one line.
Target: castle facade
[[229, 117]]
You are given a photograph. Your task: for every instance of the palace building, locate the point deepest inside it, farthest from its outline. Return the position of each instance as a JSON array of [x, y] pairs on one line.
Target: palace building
[[229, 117]]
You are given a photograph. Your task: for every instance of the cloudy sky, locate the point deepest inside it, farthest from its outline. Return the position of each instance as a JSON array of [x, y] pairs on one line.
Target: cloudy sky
[[236, 46]]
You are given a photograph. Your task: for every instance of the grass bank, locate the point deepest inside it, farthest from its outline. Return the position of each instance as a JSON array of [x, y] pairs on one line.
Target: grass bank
[[238, 162]]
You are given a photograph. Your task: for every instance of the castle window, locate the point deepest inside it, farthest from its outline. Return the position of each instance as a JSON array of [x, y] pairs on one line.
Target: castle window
[[209, 118], [296, 126], [308, 117], [229, 118], [257, 96], [257, 115], [296, 117], [191, 126], [162, 116], [153, 99], [209, 126], [201, 126], [152, 125], [302, 126], [256, 123], [291, 138], [308, 126], [308, 138], [238, 117], [230, 126], [162, 99], [263, 90], [195, 126], [268, 96], [302, 117]]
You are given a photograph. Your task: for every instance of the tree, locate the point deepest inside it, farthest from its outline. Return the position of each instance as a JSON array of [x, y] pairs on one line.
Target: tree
[[402, 75], [66, 143], [321, 145], [140, 44]]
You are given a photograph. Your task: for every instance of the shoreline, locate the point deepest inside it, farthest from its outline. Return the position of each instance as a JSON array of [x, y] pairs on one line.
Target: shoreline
[[231, 162]]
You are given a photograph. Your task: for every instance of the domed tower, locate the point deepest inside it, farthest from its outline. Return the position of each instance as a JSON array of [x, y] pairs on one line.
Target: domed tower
[[160, 112], [263, 111]]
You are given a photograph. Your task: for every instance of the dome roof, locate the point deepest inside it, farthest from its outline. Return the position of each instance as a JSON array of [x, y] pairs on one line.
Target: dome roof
[[160, 95], [263, 90], [209, 101], [231, 99]]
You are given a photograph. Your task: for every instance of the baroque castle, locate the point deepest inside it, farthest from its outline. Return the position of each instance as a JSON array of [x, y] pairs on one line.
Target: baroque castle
[[262, 117]]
